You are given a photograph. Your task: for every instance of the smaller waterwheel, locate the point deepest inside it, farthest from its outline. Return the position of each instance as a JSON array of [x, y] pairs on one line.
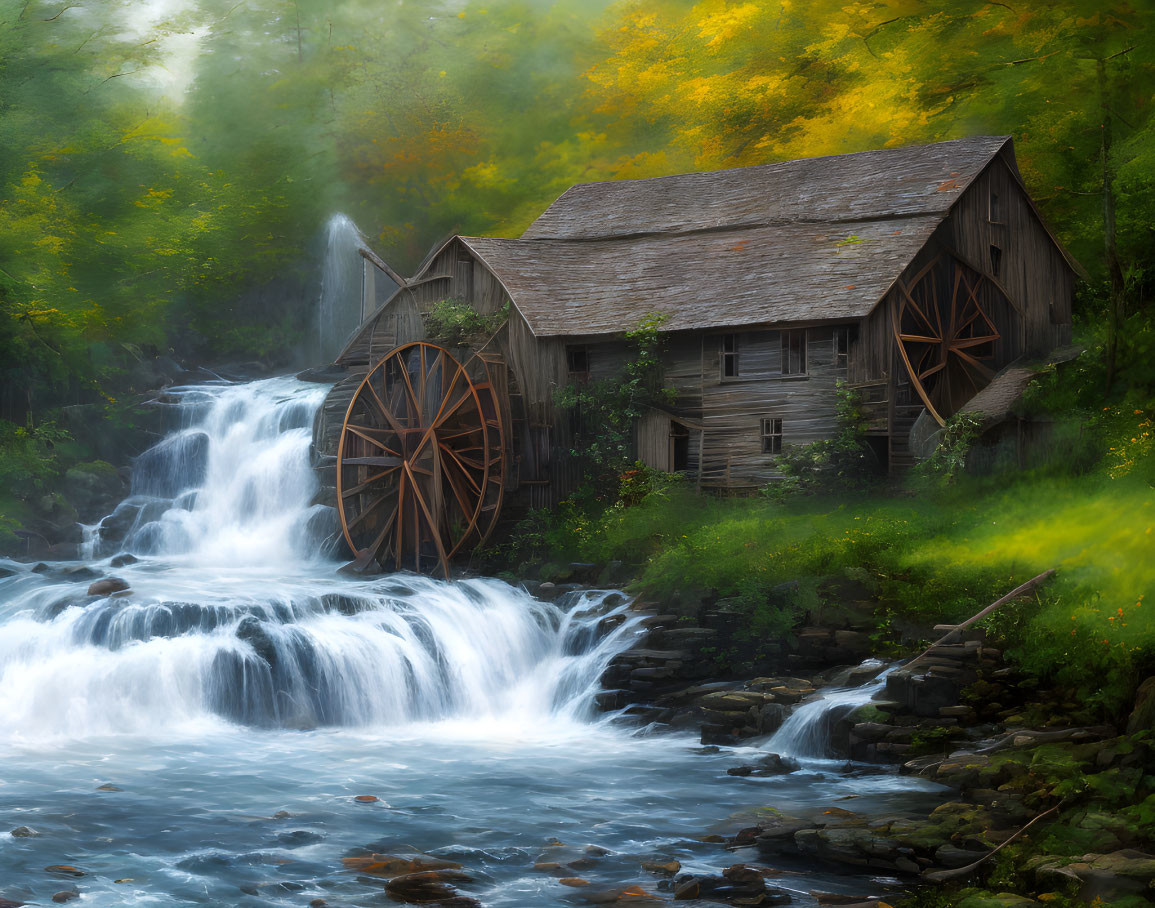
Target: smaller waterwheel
[[420, 462], [945, 336]]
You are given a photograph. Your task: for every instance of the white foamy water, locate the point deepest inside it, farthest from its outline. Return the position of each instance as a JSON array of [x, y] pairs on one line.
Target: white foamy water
[[805, 735]]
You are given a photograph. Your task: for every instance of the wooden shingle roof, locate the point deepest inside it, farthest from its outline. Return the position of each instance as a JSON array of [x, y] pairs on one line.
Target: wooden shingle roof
[[705, 279], [894, 182], [809, 240]]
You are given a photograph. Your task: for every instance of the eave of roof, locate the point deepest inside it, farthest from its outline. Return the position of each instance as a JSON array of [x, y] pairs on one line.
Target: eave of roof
[[704, 279]]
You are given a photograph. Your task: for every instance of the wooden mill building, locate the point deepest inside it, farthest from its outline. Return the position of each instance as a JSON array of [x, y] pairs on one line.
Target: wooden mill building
[[917, 276], [914, 275]]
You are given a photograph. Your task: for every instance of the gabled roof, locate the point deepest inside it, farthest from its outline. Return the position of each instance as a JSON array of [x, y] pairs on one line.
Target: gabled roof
[[706, 279], [869, 185], [816, 239]]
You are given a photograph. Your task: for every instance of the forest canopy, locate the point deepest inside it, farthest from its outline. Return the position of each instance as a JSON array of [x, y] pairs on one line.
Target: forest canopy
[[166, 167]]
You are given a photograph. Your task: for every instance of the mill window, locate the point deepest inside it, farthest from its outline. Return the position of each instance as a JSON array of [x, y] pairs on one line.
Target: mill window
[[794, 352], [772, 435], [578, 364], [679, 447], [995, 212], [996, 260], [841, 348], [729, 356]]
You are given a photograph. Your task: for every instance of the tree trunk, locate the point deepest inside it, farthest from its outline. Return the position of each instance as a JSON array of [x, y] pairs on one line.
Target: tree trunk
[[1111, 252]]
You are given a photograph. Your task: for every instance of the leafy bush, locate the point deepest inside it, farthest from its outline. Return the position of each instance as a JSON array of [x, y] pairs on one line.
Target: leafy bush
[[457, 324], [605, 412], [949, 459], [843, 462]]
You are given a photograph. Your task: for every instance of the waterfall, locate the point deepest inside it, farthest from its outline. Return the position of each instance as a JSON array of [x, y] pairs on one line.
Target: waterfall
[[339, 309], [232, 485], [806, 734], [232, 614]]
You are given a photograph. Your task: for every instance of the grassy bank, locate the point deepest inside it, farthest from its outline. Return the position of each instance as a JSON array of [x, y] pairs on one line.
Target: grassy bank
[[922, 553]]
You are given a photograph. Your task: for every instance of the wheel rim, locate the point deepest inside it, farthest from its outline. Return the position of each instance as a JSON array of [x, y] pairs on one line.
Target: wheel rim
[[945, 336], [416, 461]]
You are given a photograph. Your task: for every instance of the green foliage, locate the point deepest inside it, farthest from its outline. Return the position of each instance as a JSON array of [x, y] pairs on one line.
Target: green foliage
[[457, 323], [842, 463], [949, 460], [605, 412], [29, 457]]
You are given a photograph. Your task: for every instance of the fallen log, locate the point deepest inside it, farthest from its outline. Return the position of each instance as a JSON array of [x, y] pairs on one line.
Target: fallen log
[[1013, 594]]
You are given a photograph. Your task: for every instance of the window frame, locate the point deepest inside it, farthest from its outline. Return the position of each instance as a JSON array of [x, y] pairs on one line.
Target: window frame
[[770, 432], [996, 259], [729, 357], [787, 337], [994, 207], [841, 356], [580, 376]]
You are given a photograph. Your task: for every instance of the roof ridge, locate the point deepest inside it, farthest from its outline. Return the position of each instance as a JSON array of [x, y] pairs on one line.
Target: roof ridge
[[768, 165]]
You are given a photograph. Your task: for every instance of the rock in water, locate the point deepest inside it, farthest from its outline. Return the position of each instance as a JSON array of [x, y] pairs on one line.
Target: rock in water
[[66, 895], [65, 869], [123, 559], [253, 632], [108, 586], [24, 832]]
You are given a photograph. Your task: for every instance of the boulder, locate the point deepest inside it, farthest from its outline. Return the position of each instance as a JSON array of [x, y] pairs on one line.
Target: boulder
[[1143, 714], [253, 632], [93, 489], [108, 586]]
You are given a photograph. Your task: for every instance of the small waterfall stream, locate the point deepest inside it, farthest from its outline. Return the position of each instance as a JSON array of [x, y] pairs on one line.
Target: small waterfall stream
[[806, 733], [339, 306]]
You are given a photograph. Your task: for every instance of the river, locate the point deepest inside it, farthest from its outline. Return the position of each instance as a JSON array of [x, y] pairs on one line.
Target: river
[[242, 718]]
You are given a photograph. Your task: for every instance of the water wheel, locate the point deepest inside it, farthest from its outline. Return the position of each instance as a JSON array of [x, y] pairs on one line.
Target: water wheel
[[945, 335], [420, 462]]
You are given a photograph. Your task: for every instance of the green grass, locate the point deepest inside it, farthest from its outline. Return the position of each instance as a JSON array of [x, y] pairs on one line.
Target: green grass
[[929, 556]]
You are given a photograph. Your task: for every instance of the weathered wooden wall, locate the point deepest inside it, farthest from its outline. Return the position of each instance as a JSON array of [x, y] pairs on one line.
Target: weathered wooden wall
[[1033, 273]]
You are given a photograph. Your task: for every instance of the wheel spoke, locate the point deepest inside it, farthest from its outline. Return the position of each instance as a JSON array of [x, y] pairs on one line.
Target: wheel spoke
[[919, 339], [362, 486], [965, 342], [362, 432], [983, 369]]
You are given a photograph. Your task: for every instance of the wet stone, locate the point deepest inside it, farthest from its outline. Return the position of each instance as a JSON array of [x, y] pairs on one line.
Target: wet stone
[[662, 868], [66, 895], [24, 832], [108, 586], [299, 838], [64, 870]]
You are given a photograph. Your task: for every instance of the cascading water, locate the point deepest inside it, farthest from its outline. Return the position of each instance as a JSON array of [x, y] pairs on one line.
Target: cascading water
[[201, 736], [274, 636], [339, 310], [806, 733]]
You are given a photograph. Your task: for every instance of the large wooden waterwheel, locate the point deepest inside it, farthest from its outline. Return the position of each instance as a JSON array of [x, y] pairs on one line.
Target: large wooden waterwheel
[[421, 461], [946, 334]]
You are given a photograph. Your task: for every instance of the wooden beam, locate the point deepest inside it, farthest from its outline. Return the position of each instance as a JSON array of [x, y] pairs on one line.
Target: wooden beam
[[379, 262]]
